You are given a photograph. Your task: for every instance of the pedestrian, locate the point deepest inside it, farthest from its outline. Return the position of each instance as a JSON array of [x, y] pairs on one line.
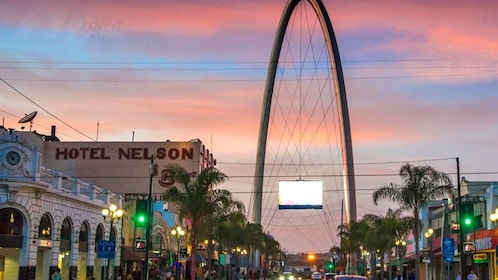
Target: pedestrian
[[57, 274], [398, 276], [459, 276], [137, 275], [411, 274], [472, 275], [235, 275]]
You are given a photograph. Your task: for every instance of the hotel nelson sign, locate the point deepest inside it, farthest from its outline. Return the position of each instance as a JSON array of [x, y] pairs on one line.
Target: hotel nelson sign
[[128, 153], [120, 166]]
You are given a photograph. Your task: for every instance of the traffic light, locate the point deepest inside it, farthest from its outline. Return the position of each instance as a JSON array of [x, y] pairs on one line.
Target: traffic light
[[141, 213], [331, 266], [467, 220]]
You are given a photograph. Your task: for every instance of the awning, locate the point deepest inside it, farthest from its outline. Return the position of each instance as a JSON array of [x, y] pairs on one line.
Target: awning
[[130, 255], [397, 262]]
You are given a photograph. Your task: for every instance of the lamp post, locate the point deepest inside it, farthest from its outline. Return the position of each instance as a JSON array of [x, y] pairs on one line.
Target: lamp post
[[428, 235], [400, 249], [114, 214], [178, 232]]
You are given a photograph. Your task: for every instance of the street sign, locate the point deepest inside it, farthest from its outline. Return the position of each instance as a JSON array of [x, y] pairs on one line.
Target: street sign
[[183, 254], [448, 259], [426, 259], [106, 249], [448, 249]]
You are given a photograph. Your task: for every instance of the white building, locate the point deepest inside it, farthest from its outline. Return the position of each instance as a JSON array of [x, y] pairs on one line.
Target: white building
[[49, 219]]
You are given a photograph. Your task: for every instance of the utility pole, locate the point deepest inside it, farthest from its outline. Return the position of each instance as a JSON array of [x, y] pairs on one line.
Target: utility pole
[[460, 228], [148, 243]]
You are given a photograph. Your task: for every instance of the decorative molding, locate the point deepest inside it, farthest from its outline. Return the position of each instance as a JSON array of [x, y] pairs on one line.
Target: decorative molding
[[13, 195]]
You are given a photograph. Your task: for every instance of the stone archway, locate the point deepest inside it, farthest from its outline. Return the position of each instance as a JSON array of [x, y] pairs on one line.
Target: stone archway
[[11, 241]]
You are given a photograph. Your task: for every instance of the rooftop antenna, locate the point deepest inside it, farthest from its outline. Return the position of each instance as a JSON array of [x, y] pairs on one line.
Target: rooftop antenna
[[28, 118]]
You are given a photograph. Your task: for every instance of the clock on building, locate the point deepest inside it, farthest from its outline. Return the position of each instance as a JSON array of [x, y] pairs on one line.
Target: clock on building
[[13, 158]]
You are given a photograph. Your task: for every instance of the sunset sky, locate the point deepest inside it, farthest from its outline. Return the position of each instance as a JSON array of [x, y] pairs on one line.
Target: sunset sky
[[421, 79]]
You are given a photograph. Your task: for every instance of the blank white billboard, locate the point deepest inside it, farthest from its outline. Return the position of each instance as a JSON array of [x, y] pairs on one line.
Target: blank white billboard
[[300, 194]]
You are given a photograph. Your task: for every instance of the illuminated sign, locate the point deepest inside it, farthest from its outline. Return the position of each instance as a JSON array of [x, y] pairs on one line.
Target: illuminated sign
[[45, 243], [139, 245], [300, 194], [480, 257], [468, 247]]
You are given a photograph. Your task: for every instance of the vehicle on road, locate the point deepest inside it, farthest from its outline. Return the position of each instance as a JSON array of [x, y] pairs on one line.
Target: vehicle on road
[[349, 277], [288, 275], [329, 276], [316, 276]]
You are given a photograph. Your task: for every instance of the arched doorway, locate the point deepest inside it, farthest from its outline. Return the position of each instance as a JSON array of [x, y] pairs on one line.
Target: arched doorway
[[98, 263], [64, 260], [160, 261], [11, 228], [83, 238], [44, 252]]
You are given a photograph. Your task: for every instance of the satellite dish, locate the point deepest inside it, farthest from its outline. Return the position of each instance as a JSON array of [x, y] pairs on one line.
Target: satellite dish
[[28, 117]]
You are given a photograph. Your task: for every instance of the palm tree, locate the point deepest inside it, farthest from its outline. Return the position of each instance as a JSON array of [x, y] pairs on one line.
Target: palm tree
[[349, 235], [195, 200], [386, 229], [228, 209], [420, 185], [345, 246]]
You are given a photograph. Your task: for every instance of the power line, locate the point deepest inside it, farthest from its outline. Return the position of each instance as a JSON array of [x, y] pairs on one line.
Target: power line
[[42, 108]]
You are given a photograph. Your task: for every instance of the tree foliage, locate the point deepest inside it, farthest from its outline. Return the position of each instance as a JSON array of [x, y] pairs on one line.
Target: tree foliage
[[419, 185]]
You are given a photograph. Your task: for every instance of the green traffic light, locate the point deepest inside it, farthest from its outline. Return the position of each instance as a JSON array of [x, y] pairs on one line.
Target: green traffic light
[[141, 219], [467, 221]]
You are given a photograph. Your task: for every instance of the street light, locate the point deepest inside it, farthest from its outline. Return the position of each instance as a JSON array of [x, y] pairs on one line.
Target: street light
[[178, 232], [428, 235], [400, 246], [494, 217], [114, 214]]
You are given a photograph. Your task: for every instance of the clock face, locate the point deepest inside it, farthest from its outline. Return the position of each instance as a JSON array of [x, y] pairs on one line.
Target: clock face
[[13, 158]]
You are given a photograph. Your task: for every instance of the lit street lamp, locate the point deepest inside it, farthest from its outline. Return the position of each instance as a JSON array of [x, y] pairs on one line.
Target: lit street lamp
[[428, 235], [178, 232], [114, 214], [494, 217], [400, 249]]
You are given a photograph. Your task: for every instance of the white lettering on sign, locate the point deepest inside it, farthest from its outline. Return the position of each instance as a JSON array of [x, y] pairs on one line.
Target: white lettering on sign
[[483, 243]]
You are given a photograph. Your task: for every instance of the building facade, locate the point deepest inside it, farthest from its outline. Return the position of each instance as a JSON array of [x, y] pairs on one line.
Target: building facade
[[48, 219], [479, 241], [52, 194]]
